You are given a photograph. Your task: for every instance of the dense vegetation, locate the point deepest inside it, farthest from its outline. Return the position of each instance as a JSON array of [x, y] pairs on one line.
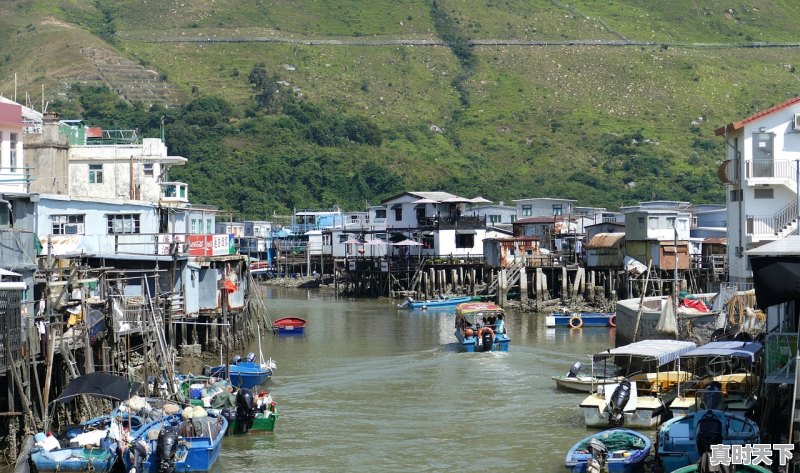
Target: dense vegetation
[[270, 126]]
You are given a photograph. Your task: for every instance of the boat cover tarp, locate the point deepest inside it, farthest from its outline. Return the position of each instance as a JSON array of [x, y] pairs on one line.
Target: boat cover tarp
[[736, 349], [615, 440], [105, 385], [663, 351]]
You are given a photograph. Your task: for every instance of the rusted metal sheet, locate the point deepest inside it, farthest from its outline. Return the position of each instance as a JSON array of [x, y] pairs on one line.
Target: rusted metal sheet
[[606, 240]]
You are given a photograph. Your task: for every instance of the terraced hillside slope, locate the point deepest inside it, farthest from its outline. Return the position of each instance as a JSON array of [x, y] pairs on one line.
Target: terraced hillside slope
[[608, 102]]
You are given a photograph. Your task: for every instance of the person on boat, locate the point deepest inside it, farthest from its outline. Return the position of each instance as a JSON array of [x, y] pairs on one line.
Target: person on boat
[[264, 402], [499, 325]]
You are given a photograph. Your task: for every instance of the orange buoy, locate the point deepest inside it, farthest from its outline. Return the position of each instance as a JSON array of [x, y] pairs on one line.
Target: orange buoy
[[612, 321], [576, 321]]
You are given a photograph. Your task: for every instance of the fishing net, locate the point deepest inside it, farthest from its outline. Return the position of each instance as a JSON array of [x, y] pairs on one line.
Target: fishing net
[[615, 440], [668, 322]]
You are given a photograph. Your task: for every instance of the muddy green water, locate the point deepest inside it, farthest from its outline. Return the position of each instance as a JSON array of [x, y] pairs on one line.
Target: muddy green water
[[374, 388]]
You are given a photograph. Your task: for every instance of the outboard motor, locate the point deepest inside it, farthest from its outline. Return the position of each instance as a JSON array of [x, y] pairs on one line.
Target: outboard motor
[[486, 340], [599, 453], [619, 398], [230, 415], [235, 359], [251, 357], [573, 372], [139, 451], [206, 370], [708, 432], [245, 410], [712, 397], [166, 447]]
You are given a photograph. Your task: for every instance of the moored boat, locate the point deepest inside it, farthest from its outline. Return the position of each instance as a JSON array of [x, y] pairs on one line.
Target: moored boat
[[641, 399], [739, 469], [185, 442], [243, 373], [480, 326], [681, 440], [728, 367], [613, 450], [431, 303], [289, 326], [92, 445], [581, 319]]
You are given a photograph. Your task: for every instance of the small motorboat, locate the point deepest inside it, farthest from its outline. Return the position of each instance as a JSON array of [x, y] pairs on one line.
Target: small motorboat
[[573, 381], [739, 469], [289, 326], [185, 442], [613, 450], [431, 303], [480, 327], [682, 439], [581, 319], [243, 373]]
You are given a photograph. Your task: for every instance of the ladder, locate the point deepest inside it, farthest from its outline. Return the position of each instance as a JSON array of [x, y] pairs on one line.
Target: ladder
[[163, 355]]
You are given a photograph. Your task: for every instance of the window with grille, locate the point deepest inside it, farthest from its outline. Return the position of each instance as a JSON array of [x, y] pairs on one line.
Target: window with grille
[[95, 174], [527, 210], [148, 169], [12, 163], [123, 223], [67, 224]]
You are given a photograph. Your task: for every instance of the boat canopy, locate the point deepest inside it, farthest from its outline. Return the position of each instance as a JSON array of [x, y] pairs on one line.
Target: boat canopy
[[105, 385], [734, 349], [478, 308], [663, 351]]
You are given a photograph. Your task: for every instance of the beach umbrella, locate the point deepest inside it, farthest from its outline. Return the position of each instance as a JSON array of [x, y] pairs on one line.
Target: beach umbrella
[[425, 201], [479, 200], [406, 243], [353, 241], [456, 200]]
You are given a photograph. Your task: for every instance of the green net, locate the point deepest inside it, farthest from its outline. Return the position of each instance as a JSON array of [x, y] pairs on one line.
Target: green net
[[616, 440]]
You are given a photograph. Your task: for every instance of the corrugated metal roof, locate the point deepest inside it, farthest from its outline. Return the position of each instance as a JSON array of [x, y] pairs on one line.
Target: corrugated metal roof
[[716, 241], [605, 240]]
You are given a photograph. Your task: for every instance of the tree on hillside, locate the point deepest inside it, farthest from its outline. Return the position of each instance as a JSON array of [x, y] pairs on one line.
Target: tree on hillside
[[268, 93]]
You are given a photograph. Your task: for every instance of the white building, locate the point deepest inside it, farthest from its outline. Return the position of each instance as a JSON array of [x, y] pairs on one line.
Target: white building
[[13, 174], [760, 171], [544, 207]]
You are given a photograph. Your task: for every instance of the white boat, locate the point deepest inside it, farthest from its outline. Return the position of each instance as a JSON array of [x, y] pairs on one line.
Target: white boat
[[639, 400], [573, 381], [728, 367]]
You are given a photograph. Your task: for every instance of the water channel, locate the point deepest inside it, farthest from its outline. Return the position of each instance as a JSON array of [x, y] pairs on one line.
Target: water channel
[[375, 388]]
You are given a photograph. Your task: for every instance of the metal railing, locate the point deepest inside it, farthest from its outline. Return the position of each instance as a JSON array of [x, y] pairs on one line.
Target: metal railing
[[772, 224]]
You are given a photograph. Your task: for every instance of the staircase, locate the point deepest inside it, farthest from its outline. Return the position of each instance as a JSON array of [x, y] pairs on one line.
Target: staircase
[[513, 273]]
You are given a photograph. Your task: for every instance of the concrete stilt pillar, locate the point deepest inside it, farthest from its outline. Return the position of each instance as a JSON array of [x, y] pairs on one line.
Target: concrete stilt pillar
[[523, 285], [502, 288], [455, 282], [472, 274], [564, 282]]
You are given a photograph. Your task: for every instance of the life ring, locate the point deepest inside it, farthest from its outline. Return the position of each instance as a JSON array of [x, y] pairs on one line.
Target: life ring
[[575, 321], [480, 331], [612, 321]]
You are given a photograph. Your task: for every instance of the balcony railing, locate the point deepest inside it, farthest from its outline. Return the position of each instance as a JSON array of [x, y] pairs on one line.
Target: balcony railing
[[780, 169], [772, 225], [450, 223]]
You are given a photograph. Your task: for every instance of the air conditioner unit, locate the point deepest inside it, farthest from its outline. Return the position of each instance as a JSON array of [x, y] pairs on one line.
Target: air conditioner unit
[[73, 229], [796, 122]]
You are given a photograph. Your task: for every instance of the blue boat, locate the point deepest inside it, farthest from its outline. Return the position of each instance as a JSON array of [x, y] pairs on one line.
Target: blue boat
[[581, 319], [91, 445], [622, 450], [480, 327], [430, 303], [185, 442], [681, 439], [244, 373]]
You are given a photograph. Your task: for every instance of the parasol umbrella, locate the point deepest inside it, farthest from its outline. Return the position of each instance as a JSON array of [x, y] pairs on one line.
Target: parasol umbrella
[[353, 241], [479, 200], [406, 243], [456, 200]]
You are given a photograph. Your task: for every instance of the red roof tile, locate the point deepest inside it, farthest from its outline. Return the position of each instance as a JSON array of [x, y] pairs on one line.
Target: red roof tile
[[737, 125]]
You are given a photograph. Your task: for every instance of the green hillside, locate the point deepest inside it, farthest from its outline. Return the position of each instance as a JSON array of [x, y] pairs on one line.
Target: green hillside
[[608, 102]]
